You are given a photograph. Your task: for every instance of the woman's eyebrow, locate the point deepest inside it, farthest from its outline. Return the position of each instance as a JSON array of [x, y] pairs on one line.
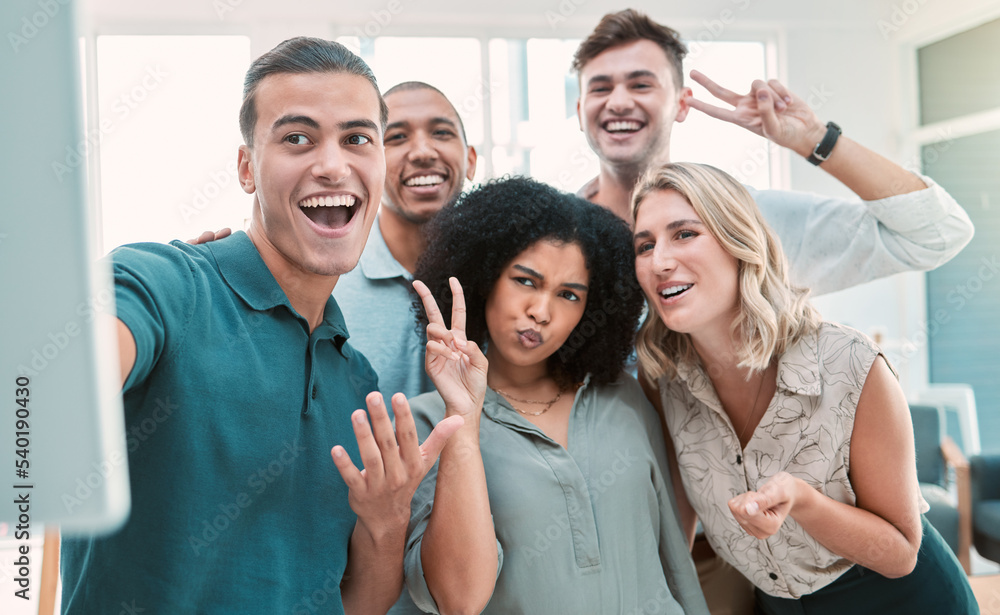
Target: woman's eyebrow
[[529, 271], [535, 274]]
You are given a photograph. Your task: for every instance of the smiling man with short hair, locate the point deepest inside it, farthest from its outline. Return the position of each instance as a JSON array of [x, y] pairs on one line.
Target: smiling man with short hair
[[427, 162], [236, 504], [632, 92]]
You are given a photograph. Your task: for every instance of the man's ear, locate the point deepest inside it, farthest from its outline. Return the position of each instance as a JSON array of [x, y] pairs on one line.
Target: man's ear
[[244, 164], [682, 104], [579, 117], [470, 171]]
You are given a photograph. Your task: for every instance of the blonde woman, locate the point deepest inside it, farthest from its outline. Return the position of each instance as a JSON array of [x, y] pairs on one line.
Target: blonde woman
[[792, 435]]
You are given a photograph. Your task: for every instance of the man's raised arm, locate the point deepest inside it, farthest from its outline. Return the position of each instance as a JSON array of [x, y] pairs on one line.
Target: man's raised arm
[[906, 222]]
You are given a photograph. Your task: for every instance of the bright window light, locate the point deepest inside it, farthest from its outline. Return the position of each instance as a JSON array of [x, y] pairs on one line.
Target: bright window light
[[733, 65], [168, 111], [169, 134]]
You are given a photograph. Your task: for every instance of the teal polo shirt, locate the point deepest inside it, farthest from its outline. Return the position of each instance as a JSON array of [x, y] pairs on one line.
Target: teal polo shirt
[[231, 411]]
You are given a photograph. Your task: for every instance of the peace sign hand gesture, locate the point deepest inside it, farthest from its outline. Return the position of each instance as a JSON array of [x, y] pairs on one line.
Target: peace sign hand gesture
[[456, 366], [769, 110]]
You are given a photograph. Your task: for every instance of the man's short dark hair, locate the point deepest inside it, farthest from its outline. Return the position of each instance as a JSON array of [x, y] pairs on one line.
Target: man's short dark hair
[[628, 26], [475, 239], [302, 55], [407, 86]]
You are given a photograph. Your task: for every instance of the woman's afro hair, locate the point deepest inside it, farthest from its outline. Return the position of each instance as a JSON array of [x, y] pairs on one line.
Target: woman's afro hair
[[476, 238]]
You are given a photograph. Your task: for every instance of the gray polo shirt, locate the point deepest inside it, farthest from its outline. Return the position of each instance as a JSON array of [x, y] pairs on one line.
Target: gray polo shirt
[[377, 304]]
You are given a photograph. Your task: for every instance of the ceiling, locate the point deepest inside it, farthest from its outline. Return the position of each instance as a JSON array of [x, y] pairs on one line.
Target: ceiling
[[442, 16]]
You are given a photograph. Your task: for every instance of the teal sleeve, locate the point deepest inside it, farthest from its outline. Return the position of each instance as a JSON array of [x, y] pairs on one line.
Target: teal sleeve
[[154, 297]]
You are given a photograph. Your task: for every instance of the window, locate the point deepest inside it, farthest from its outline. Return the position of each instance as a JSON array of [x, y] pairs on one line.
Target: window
[[169, 134], [519, 103], [960, 138], [168, 128]]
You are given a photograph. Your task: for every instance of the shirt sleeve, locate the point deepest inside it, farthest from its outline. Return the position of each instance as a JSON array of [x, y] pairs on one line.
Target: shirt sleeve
[[834, 243], [427, 409], [154, 298]]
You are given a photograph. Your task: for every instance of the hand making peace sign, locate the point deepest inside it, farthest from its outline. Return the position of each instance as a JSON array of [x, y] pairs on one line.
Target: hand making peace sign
[[456, 366], [769, 110]]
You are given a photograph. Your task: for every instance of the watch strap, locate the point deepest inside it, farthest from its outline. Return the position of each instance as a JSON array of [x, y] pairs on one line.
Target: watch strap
[[822, 150]]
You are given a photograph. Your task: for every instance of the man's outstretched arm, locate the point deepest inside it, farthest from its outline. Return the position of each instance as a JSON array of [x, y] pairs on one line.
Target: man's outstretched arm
[[126, 350]]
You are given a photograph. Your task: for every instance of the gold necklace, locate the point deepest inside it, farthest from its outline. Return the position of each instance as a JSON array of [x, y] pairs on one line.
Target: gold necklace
[[548, 404]]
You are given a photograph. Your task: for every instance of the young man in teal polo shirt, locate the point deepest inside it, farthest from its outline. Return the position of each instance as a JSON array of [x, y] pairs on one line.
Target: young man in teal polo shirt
[[240, 352]]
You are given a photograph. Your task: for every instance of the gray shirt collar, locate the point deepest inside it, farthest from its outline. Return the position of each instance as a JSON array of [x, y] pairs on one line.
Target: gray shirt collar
[[377, 262]]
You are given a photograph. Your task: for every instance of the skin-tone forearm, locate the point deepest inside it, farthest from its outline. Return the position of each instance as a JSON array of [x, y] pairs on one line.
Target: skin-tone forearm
[[853, 533], [883, 530], [869, 175], [126, 350], [394, 464], [772, 111], [373, 579], [459, 552]]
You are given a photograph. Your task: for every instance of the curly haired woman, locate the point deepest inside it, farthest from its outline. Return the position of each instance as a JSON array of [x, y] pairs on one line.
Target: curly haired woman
[[561, 463]]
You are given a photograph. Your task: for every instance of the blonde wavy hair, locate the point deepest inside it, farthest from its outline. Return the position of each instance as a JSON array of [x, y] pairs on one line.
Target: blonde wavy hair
[[773, 314]]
